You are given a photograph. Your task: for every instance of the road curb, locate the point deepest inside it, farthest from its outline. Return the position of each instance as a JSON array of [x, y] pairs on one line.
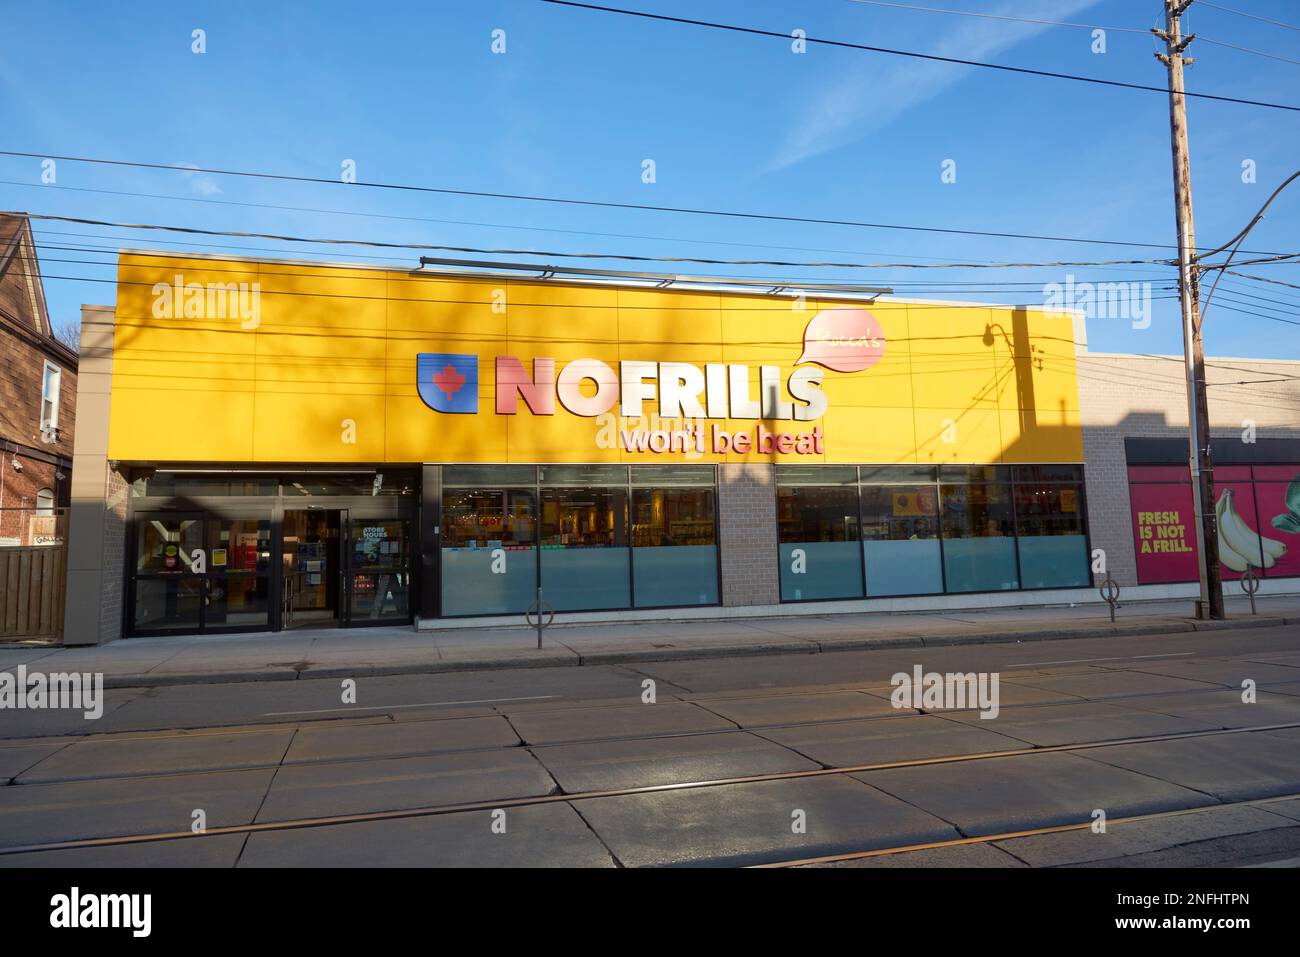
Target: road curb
[[551, 658]]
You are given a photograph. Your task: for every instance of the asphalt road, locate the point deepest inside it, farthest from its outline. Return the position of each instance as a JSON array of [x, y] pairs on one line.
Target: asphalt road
[[786, 760]]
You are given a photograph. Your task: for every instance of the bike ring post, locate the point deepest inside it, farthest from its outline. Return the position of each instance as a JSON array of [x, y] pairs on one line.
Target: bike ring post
[[1250, 585], [539, 608], [1110, 595]]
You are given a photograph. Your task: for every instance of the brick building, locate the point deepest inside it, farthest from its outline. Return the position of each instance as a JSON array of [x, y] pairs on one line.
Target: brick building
[[38, 395]]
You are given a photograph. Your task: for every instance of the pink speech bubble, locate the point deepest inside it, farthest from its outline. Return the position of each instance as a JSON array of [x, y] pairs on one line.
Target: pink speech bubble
[[845, 340]]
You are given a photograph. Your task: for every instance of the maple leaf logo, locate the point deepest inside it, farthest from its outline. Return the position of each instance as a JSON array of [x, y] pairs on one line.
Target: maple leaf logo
[[449, 380]]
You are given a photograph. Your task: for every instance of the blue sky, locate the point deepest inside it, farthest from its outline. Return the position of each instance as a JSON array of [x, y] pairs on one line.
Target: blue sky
[[413, 93]]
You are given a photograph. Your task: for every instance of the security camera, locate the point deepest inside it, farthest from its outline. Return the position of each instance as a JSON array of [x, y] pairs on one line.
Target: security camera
[[18, 466]]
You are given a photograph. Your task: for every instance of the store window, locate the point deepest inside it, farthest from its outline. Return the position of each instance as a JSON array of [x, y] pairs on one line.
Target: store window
[[978, 526], [594, 537], [489, 550], [380, 569], [1052, 543], [369, 484], [817, 527], [584, 549], [900, 539], [674, 536], [195, 485]]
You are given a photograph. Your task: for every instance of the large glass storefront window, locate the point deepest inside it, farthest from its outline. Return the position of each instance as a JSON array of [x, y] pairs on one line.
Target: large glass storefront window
[[595, 537], [927, 530], [489, 550], [1051, 539], [979, 530], [900, 539], [817, 528], [675, 546], [585, 556]]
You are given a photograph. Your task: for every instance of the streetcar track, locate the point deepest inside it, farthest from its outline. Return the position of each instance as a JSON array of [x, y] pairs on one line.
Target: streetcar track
[[377, 713], [1015, 835], [375, 720], [562, 798]]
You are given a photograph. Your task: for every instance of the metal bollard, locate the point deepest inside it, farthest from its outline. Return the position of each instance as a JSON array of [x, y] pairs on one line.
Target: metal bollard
[[1250, 585], [1110, 595], [539, 608]]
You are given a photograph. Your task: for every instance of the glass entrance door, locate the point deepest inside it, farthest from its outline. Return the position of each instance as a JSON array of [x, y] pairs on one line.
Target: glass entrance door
[[311, 568], [377, 570], [168, 578], [200, 571]]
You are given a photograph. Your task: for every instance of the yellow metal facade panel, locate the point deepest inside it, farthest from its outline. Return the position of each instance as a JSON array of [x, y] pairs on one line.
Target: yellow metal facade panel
[[251, 361]]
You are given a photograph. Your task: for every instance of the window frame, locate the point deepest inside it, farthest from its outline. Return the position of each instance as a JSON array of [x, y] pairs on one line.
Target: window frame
[[55, 404]]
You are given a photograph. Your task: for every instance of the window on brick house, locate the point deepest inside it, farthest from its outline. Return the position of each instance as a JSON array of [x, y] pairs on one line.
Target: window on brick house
[[45, 502], [50, 397]]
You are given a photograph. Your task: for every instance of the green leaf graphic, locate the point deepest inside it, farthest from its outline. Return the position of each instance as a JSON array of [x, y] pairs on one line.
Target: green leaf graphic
[[1286, 523]]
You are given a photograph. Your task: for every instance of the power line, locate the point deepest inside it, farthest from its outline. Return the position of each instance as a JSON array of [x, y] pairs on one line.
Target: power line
[[1233, 46], [1239, 289], [569, 255], [1253, 305], [251, 270], [1251, 16], [405, 263], [1290, 322], [844, 44], [1064, 23], [771, 217], [996, 16], [922, 286], [1246, 275], [451, 222], [925, 291]]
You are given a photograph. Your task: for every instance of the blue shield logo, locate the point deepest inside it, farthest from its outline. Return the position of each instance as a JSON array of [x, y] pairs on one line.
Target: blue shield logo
[[448, 381]]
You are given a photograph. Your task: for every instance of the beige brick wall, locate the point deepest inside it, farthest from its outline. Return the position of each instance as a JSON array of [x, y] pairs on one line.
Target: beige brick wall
[[747, 525], [1138, 396]]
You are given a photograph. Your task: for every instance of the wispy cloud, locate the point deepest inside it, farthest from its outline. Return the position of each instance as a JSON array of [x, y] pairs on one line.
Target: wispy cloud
[[876, 89], [199, 183]]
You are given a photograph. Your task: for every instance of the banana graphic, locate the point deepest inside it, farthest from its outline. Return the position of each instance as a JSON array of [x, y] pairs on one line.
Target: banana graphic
[[1239, 545]]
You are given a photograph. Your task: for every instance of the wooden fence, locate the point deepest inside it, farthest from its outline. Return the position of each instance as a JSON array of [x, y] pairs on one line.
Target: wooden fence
[[32, 582]]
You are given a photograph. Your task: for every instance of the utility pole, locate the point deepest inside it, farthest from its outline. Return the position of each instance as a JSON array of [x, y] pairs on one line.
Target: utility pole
[[1210, 603]]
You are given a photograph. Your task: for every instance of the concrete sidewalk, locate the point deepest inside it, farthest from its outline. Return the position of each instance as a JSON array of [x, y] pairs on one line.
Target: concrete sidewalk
[[331, 653]]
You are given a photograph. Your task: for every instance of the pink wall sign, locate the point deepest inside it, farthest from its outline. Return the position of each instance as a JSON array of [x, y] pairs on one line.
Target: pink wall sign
[[1164, 533], [844, 340]]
